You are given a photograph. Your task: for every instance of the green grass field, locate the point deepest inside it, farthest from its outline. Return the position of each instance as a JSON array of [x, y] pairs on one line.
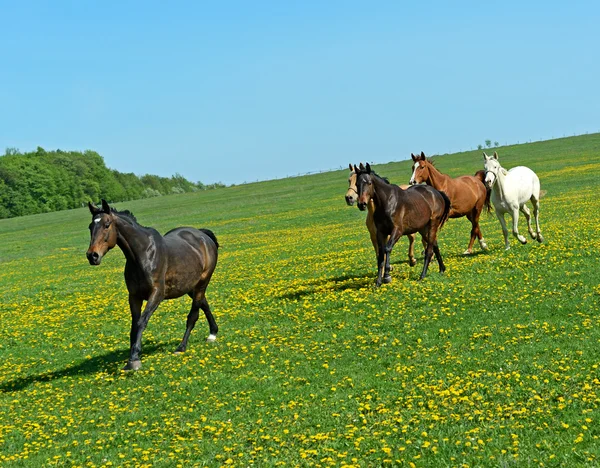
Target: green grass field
[[494, 363]]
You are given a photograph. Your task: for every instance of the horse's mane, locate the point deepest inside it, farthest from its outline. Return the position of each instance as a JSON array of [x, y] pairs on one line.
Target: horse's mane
[[124, 214], [385, 179]]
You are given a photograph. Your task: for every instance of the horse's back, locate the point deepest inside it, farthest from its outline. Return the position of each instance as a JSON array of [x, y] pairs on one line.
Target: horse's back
[[525, 182]]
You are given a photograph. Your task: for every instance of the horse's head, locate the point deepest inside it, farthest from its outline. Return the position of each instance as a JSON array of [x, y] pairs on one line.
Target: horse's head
[[420, 169], [352, 193], [103, 232], [364, 186], [492, 168]]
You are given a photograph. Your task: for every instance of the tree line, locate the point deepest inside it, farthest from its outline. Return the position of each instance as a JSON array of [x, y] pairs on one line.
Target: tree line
[[43, 181]]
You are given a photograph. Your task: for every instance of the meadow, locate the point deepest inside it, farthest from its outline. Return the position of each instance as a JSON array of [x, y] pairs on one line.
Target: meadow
[[494, 363]]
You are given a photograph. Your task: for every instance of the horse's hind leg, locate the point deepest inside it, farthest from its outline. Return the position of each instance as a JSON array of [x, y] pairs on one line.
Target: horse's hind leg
[[536, 211], [412, 261], [438, 257], [525, 210], [428, 256], [515, 216], [191, 322], [212, 324], [474, 230]]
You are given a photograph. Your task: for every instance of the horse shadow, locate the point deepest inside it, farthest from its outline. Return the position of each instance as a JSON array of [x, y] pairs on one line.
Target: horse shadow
[[88, 366], [340, 283]]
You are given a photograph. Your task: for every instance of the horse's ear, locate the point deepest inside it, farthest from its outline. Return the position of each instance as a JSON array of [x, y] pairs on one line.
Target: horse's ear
[[361, 166], [350, 167], [368, 168], [93, 209], [495, 156], [414, 158], [356, 169], [485, 156], [422, 156], [105, 206]]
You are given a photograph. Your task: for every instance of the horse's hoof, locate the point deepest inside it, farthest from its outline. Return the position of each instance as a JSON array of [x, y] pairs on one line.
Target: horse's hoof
[[507, 247], [132, 365], [211, 338], [412, 262], [179, 351], [483, 246], [467, 252], [540, 239], [387, 279]]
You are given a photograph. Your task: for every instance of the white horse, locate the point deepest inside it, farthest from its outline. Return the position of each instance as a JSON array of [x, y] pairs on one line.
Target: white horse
[[510, 191]]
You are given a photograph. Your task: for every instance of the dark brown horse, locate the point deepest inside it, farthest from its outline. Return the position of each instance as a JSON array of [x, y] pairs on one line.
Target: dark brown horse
[[157, 268], [468, 194], [399, 212], [352, 197]]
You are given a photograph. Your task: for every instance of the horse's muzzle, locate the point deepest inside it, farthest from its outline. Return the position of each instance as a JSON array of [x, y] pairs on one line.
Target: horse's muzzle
[[94, 258], [361, 206], [349, 201]]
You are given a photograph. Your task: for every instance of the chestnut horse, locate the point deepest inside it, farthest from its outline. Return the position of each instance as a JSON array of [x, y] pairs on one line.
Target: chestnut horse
[[352, 196], [157, 268], [468, 194], [399, 212]]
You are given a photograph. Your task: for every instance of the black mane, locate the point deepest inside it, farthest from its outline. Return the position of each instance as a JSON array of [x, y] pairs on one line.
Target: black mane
[[126, 214]]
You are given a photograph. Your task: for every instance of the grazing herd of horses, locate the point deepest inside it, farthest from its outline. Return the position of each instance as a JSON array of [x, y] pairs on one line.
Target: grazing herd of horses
[[183, 260]]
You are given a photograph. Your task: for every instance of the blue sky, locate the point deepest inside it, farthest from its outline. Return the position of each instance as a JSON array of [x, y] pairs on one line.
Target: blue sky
[[242, 91]]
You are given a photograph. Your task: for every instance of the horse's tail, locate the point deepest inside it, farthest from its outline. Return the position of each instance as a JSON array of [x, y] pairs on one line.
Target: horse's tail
[[488, 192], [447, 206], [211, 234]]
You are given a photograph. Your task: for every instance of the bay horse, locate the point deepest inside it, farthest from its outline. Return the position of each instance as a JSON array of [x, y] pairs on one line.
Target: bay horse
[[157, 268], [352, 197], [510, 191], [399, 212], [468, 194]]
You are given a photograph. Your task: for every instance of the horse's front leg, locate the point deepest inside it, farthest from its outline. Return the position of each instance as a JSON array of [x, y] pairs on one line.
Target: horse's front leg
[[500, 216], [536, 214], [138, 328], [515, 230], [381, 261], [389, 245]]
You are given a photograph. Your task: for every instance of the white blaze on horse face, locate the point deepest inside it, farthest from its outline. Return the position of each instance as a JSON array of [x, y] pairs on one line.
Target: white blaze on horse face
[[412, 179], [97, 220]]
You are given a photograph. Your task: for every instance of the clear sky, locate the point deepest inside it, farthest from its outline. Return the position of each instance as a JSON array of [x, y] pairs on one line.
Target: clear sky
[[236, 91]]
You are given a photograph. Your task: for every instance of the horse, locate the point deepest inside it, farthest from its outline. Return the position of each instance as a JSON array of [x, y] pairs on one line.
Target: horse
[[352, 196], [468, 194], [398, 212], [157, 268], [510, 191]]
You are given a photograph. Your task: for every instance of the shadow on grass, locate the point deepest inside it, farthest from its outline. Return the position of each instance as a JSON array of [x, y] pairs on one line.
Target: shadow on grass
[[86, 367], [337, 283]]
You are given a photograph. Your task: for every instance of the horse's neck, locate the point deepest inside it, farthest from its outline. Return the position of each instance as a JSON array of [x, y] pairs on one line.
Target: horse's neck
[[500, 186], [381, 192], [131, 240], [436, 179]]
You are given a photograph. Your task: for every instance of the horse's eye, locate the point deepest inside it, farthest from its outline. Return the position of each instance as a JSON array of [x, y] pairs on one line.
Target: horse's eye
[[107, 225]]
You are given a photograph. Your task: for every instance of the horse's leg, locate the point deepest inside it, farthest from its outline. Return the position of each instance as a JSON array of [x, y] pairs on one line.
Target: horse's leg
[[134, 362], [412, 261], [500, 216], [478, 233], [192, 318], [212, 324], [525, 210], [380, 259], [428, 256], [515, 230], [438, 257], [135, 305], [372, 232], [536, 211], [389, 245], [474, 228]]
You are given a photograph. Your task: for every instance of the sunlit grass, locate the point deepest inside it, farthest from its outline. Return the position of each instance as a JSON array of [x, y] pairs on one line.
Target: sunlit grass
[[495, 363]]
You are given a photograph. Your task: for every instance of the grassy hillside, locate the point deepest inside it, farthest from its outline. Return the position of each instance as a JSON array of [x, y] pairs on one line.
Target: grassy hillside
[[494, 363]]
